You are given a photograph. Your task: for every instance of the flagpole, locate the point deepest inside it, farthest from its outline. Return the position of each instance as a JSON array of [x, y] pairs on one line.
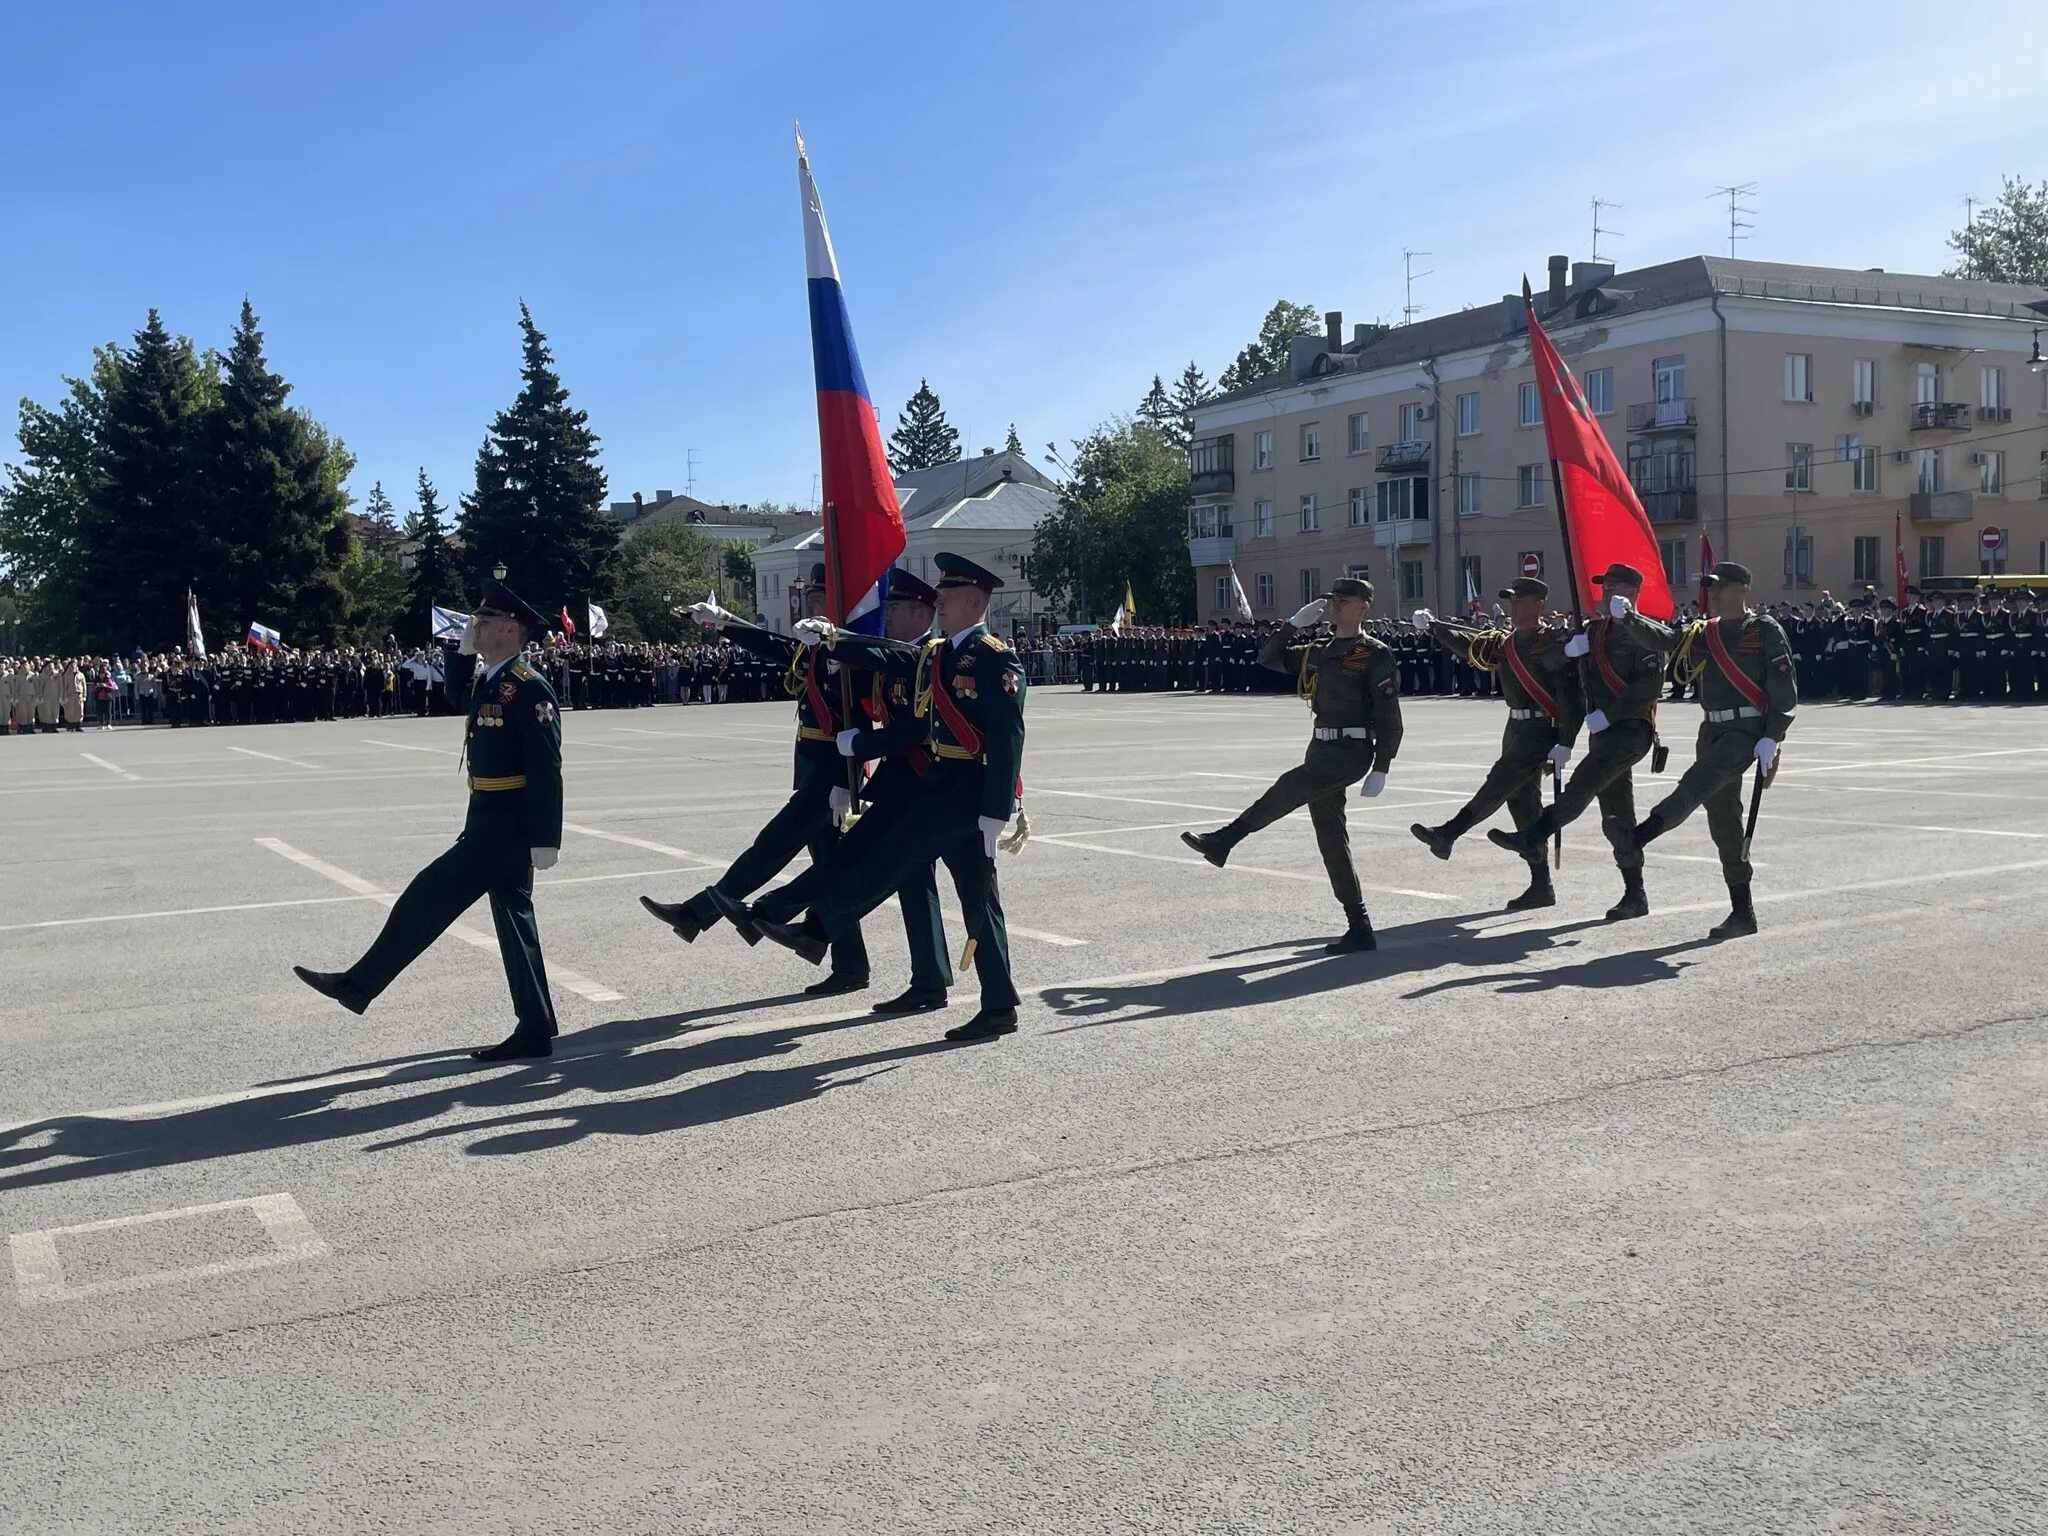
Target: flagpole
[[835, 603]]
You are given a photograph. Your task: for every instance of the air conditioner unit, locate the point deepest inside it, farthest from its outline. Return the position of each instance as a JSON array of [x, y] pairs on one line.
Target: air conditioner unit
[[1979, 458], [1863, 407], [1425, 413]]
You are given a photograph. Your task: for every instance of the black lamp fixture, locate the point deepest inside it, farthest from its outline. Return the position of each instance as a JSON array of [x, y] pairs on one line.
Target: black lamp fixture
[[498, 570], [2037, 363]]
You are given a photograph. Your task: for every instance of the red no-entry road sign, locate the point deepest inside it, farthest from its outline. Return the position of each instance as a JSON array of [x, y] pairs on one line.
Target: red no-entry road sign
[[1992, 538], [1532, 562]]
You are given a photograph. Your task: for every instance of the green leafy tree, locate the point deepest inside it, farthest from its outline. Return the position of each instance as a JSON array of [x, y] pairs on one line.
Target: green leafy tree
[[736, 564], [538, 507], [1013, 443], [2008, 241], [1121, 518], [667, 564], [46, 503], [434, 577], [375, 586], [923, 437], [1267, 352]]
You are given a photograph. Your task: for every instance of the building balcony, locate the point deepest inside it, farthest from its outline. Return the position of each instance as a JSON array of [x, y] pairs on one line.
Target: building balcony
[[1681, 506], [1398, 531], [1404, 458], [1664, 416], [1942, 506], [1214, 549], [1212, 466], [1938, 416]]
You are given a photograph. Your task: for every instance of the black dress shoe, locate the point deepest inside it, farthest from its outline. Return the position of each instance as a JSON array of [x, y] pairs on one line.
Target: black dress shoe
[[736, 913], [835, 985], [334, 984], [912, 1001], [520, 1045], [795, 937], [677, 915], [1209, 846], [1439, 844], [986, 1025]]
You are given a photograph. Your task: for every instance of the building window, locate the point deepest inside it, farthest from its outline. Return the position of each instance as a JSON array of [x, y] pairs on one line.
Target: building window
[[1361, 506], [1798, 559], [1358, 432], [1926, 383], [1262, 519], [1991, 562], [1600, 391], [1673, 553], [1311, 442], [1865, 391], [1468, 415], [1262, 450], [1798, 375], [1411, 581], [1866, 559], [1799, 466], [1991, 474], [1411, 423], [1468, 495], [1402, 500], [1927, 475], [1209, 522], [1530, 406], [1262, 585], [2044, 487], [1311, 519], [1529, 485], [1991, 389], [1931, 562], [1311, 584], [1668, 375], [1222, 603], [1863, 474]]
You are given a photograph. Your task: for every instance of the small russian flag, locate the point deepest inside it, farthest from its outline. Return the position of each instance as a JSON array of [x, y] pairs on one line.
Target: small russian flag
[[263, 637]]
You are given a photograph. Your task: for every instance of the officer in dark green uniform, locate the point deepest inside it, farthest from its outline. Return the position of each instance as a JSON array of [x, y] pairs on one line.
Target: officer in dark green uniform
[[513, 746], [1749, 689], [1623, 679], [1349, 681], [818, 800], [968, 687], [1545, 711]]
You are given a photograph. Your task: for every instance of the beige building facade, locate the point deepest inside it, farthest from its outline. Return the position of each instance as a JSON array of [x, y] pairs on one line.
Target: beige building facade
[[1794, 415]]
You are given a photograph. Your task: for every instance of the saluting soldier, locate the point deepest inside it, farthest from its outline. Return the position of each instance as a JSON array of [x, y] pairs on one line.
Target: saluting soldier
[[1749, 690], [1545, 711], [1623, 678], [1348, 680], [512, 739]]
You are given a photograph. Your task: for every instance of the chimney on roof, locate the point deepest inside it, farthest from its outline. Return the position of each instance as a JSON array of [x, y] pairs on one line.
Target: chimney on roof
[[638, 505], [1558, 266], [664, 496], [988, 453], [1514, 319], [1333, 328], [1590, 274]]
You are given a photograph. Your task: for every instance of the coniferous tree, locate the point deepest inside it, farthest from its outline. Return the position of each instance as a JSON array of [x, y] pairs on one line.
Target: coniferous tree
[[1013, 443], [381, 533], [434, 578], [1157, 406], [538, 507], [922, 437]]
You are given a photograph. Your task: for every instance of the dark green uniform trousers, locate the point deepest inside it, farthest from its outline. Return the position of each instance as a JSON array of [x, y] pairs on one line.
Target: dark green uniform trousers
[[1725, 752], [1603, 775], [491, 859], [1515, 780], [1325, 776]]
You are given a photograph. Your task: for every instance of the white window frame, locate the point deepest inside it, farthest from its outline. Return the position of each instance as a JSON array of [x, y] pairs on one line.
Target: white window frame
[[1411, 422], [1991, 387], [1359, 499], [1528, 405], [1599, 386], [1857, 547], [1262, 449], [1262, 519], [1865, 472], [1799, 378], [1990, 472], [1223, 598], [1402, 576], [1937, 545], [1358, 432], [1798, 467], [1528, 486], [1262, 587], [1468, 495], [1311, 514], [1928, 471], [1667, 378], [1927, 383], [1311, 583], [1311, 441], [1863, 386], [1468, 415]]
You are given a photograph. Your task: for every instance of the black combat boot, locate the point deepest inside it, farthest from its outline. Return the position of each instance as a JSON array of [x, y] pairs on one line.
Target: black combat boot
[[1213, 846], [1634, 901], [1438, 839], [1649, 829], [1357, 935], [1529, 840], [1540, 893], [1741, 921]]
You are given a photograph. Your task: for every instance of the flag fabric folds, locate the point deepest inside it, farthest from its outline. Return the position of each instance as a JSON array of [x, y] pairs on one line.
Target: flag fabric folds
[[568, 624], [448, 624], [262, 636], [1130, 608], [863, 521], [195, 641], [1603, 520], [598, 622], [1899, 562], [1238, 600]]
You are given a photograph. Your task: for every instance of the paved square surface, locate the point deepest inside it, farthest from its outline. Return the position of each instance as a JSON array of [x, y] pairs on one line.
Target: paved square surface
[[1520, 1224]]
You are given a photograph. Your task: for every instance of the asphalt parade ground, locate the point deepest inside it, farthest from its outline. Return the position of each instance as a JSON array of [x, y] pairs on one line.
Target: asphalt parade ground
[[1521, 1224]]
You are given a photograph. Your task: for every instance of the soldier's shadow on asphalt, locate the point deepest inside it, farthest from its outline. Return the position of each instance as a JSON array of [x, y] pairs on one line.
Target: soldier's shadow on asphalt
[[533, 1096], [1298, 969]]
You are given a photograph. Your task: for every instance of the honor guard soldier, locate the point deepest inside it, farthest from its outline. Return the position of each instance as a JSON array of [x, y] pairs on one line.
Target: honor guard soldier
[[1349, 681], [1623, 677], [1545, 710], [1749, 689], [818, 800], [512, 741]]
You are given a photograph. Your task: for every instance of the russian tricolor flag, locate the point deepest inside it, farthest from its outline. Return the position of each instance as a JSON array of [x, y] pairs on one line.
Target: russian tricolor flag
[[262, 636], [863, 523]]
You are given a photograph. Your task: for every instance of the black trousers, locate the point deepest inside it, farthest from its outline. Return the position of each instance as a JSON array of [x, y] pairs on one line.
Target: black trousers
[[1604, 774], [1327, 772], [1515, 780]]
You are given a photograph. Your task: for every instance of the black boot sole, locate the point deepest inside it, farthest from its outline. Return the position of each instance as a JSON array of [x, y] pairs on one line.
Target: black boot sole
[[1530, 901], [1512, 841], [836, 986], [983, 1027]]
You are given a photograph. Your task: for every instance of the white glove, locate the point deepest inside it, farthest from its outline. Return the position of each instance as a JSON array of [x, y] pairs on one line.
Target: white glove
[[709, 614], [1596, 722], [811, 632], [1620, 606], [1766, 752], [1559, 755], [844, 741], [842, 803], [1420, 618], [544, 858], [991, 829], [1374, 783], [1578, 645], [468, 645], [1309, 613]]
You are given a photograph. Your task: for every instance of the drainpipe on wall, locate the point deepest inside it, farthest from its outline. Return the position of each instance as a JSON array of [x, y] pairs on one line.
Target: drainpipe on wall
[[1721, 326], [1436, 512]]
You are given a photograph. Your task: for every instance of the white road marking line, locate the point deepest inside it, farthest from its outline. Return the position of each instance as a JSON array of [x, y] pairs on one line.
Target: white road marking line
[[101, 762], [756, 741], [400, 746], [1902, 762], [1901, 826], [39, 1272], [633, 842], [1248, 869], [608, 746], [137, 917], [573, 981], [272, 757], [633, 874]]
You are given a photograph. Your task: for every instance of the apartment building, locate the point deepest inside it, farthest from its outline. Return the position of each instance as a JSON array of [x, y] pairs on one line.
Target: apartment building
[[1794, 414]]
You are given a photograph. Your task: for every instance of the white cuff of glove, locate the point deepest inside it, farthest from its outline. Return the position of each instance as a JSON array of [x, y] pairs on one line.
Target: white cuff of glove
[[991, 829], [1374, 783], [1620, 606], [842, 802], [544, 858], [1578, 645], [1596, 722], [844, 741], [1766, 752], [468, 645], [813, 631], [1559, 756]]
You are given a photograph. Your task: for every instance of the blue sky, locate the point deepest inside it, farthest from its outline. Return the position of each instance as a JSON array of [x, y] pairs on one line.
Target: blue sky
[[1035, 207]]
